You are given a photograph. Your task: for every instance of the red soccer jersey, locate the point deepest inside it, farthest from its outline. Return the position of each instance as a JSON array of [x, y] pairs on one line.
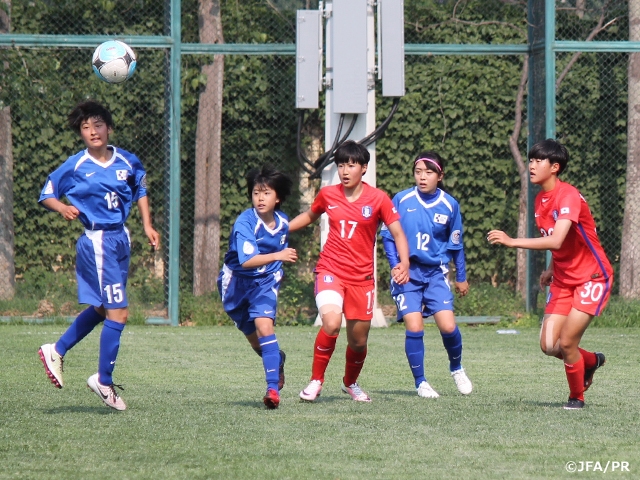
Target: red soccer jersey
[[349, 249], [581, 258]]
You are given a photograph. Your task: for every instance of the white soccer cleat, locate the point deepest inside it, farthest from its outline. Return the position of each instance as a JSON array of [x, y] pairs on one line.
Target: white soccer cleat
[[356, 392], [462, 381], [426, 391], [107, 393], [312, 391], [52, 363]]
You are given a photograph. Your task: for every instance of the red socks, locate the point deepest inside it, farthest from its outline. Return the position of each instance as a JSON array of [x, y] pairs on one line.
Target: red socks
[[575, 377], [322, 351], [353, 366], [590, 359]]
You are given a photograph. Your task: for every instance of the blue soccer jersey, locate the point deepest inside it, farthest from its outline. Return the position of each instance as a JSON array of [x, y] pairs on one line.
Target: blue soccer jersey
[[433, 227], [250, 237], [102, 192]]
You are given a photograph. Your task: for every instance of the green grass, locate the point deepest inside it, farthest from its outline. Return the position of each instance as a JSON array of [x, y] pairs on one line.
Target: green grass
[[195, 410]]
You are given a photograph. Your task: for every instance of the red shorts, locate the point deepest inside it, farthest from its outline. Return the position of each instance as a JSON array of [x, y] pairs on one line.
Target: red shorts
[[357, 300], [590, 297]]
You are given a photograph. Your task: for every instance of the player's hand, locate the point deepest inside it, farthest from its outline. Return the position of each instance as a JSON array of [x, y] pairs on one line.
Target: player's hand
[[288, 255], [499, 237], [462, 288], [153, 236], [69, 212], [400, 273], [546, 277]]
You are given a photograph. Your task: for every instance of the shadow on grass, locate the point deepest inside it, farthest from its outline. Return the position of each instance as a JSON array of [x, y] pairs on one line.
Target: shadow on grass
[[77, 409]]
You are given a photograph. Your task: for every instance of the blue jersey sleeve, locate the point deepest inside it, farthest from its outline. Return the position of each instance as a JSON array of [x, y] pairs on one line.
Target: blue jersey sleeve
[[60, 181], [388, 242], [245, 240]]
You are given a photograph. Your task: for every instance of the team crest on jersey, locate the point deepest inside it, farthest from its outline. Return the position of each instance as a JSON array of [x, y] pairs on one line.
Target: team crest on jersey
[[49, 188], [283, 239], [367, 211], [122, 174], [455, 237], [327, 279], [440, 218], [555, 215], [564, 211], [143, 181]]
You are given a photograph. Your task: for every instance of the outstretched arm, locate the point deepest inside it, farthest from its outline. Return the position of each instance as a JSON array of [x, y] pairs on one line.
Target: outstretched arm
[[152, 235], [302, 220], [550, 242], [287, 255]]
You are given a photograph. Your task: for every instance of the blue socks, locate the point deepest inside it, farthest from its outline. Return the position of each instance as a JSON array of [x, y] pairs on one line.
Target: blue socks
[[271, 360], [453, 344], [414, 348], [80, 328], [109, 346]]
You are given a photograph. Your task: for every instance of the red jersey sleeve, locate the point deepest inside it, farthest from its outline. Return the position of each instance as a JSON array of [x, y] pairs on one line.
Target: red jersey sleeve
[[319, 205], [388, 211]]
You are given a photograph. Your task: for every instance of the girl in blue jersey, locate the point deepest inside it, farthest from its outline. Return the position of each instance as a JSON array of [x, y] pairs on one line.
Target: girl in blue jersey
[[432, 223], [100, 184], [250, 278]]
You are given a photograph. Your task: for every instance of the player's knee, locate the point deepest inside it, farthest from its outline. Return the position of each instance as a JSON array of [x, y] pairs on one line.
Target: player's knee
[[549, 348]]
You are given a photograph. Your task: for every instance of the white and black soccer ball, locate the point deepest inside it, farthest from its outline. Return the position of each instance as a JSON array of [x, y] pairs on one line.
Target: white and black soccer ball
[[114, 61]]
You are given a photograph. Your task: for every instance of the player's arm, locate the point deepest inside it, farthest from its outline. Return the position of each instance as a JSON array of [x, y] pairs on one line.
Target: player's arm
[[550, 242], [303, 220], [547, 276], [461, 284], [285, 255], [68, 212], [400, 272], [145, 214]]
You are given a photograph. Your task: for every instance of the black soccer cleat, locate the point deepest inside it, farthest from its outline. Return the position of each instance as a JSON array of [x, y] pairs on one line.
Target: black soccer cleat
[[588, 373], [283, 357], [573, 404]]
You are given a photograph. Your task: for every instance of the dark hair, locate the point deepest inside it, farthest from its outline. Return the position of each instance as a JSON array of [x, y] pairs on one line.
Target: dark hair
[[86, 110], [353, 151], [553, 150], [433, 161], [272, 178]]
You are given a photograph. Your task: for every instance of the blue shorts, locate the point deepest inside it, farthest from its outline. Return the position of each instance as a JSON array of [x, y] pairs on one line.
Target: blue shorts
[[428, 295], [247, 298], [102, 267]]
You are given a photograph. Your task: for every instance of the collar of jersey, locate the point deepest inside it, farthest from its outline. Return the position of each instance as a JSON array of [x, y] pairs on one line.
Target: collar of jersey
[[279, 222]]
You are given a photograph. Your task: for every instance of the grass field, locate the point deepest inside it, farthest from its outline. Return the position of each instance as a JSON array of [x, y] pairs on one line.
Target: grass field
[[195, 410]]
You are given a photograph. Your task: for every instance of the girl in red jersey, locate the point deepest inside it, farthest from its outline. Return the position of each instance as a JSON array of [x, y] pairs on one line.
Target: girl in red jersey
[[344, 273], [580, 275]]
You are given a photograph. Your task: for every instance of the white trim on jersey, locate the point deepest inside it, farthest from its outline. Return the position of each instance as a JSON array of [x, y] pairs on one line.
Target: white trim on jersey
[[96, 239], [279, 225], [441, 199]]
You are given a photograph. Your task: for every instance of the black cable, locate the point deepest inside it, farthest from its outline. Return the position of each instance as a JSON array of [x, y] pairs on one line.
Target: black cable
[[304, 162], [328, 156]]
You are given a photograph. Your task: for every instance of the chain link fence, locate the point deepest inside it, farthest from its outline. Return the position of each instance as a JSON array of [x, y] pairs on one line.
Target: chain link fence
[[238, 112]]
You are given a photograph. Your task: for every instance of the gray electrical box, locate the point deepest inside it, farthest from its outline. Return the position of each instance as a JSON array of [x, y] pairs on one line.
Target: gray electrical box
[[391, 61], [308, 58], [349, 56]]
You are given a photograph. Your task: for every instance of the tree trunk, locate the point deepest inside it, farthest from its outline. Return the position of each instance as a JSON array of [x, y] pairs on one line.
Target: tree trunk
[[7, 253], [206, 235], [630, 251], [523, 173]]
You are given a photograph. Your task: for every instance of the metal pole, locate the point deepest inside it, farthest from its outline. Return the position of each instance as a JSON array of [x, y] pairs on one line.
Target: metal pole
[[174, 167]]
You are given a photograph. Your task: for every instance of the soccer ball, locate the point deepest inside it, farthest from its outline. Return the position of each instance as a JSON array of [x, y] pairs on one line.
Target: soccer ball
[[114, 61]]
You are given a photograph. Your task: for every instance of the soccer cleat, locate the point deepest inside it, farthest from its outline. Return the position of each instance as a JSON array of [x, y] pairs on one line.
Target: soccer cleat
[[588, 373], [107, 393], [356, 392], [426, 391], [283, 358], [52, 363], [271, 399], [462, 381], [312, 391], [573, 404]]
